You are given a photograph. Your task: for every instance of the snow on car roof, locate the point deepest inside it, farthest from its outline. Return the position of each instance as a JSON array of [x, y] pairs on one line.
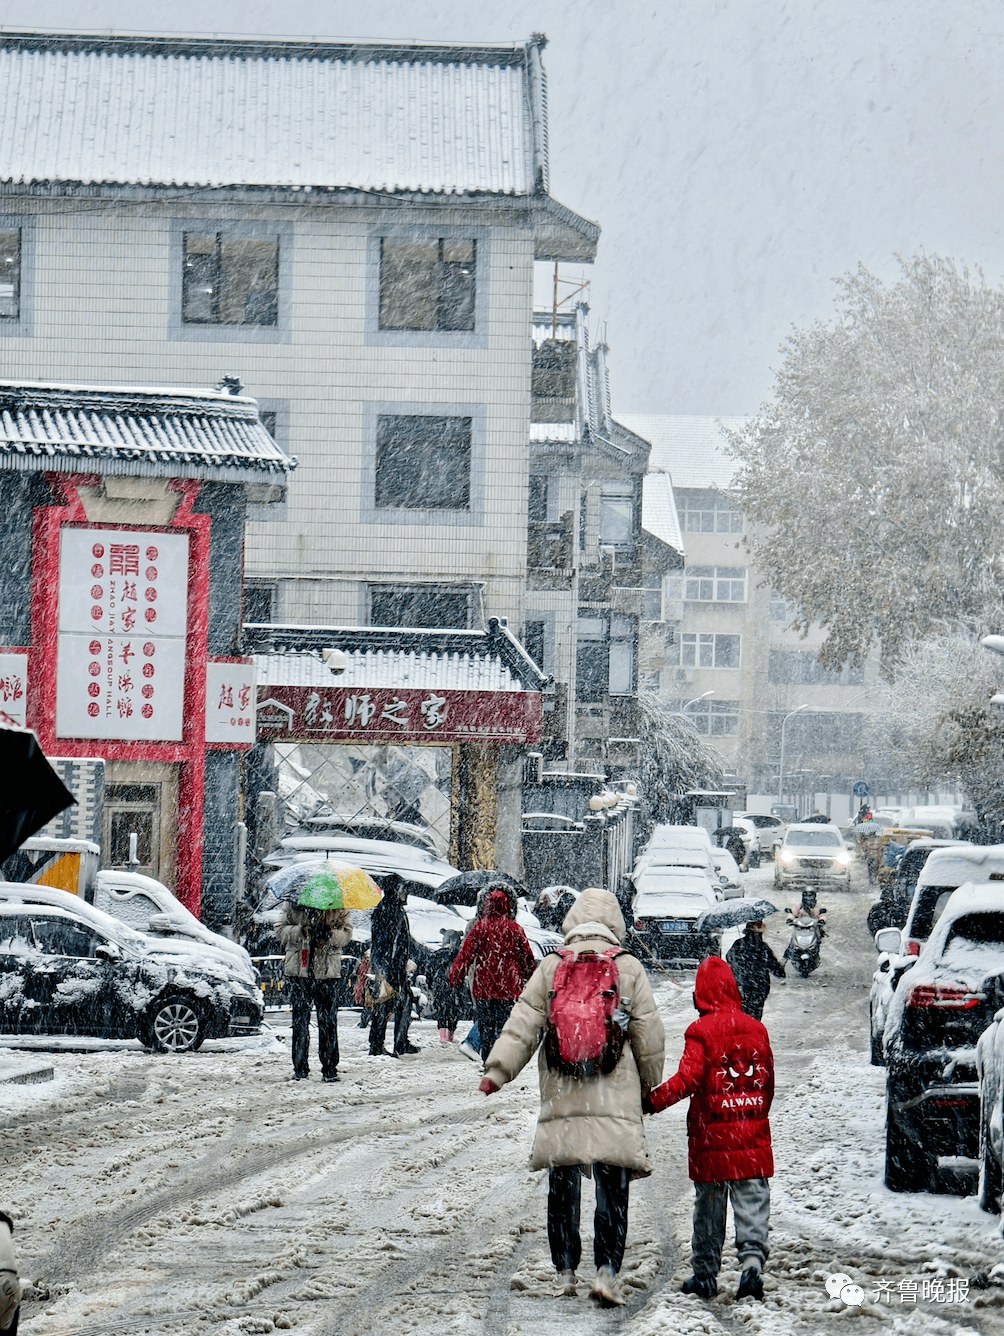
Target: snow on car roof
[[959, 863], [53, 898]]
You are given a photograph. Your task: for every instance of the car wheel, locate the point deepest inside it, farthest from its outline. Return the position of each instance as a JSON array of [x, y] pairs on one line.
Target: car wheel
[[174, 1025], [804, 967], [990, 1171], [908, 1167]]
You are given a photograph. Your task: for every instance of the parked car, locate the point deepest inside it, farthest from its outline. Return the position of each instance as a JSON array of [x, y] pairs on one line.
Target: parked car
[[769, 828], [990, 1074], [678, 837], [378, 857], [750, 836], [665, 913], [942, 821], [935, 1020], [729, 874], [813, 855], [68, 968]]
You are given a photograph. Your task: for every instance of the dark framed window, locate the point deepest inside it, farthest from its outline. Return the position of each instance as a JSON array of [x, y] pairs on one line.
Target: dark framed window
[[423, 462], [10, 273], [229, 279], [533, 642], [554, 381], [709, 650], [617, 514], [719, 584], [260, 600], [429, 284], [606, 646], [418, 605], [537, 505]]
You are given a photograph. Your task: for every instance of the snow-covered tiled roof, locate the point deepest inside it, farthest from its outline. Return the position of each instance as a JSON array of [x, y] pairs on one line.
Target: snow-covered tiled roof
[[690, 449], [399, 656], [553, 431], [124, 430], [388, 668], [201, 112], [658, 510]]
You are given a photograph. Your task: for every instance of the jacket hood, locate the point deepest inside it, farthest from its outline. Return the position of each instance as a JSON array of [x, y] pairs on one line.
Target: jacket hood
[[496, 905], [715, 986], [595, 906]]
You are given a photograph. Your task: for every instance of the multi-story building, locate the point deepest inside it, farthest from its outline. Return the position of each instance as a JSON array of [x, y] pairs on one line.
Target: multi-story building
[[599, 547], [732, 663], [350, 231]]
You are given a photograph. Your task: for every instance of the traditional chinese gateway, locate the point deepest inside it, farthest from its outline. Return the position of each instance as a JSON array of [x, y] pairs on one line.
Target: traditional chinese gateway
[[120, 604], [390, 723]]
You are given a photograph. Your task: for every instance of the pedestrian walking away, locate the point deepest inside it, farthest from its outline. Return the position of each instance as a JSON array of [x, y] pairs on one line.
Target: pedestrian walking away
[[444, 999], [753, 962], [590, 1011], [390, 959], [313, 939], [727, 1070], [497, 952]]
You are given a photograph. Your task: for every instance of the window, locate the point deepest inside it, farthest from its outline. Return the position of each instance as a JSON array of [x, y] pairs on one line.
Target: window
[[617, 507], [554, 381], [62, 937], [10, 273], [429, 605], [709, 514], [651, 609], [802, 668], [717, 584], [260, 599], [605, 655], [428, 284], [270, 421], [537, 508], [779, 610], [717, 718], [533, 642], [229, 279], [423, 463], [709, 651]]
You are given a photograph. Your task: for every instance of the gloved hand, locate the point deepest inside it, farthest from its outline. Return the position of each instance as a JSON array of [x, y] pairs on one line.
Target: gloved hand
[[656, 1100], [488, 1086], [10, 1289]]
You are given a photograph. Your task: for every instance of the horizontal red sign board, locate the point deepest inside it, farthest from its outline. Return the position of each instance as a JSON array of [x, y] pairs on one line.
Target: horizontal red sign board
[[386, 714]]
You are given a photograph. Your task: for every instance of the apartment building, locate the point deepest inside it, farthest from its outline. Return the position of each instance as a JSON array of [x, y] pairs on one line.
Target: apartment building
[[599, 547], [348, 233], [732, 665]]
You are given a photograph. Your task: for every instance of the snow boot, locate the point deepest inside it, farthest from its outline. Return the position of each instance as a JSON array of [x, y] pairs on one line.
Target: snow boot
[[750, 1284], [445, 1036], [604, 1290], [469, 1051], [565, 1287], [705, 1287]]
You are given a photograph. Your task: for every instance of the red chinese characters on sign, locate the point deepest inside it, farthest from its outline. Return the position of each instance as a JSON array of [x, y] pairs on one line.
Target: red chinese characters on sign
[[344, 714], [230, 702]]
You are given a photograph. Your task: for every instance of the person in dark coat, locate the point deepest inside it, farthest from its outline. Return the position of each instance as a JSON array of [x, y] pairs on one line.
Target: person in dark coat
[[753, 962], [390, 957], [727, 1070], [443, 998], [497, 948]]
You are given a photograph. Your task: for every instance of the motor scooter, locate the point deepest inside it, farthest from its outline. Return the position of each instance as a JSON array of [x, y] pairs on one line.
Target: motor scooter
[[803, 948]]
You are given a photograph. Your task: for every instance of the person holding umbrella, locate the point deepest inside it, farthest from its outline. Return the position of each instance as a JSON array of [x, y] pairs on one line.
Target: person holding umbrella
[[753, 962], [317, 896], [390, 958]]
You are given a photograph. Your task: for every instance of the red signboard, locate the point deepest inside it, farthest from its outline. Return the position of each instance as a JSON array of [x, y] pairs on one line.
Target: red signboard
[[403, 715]]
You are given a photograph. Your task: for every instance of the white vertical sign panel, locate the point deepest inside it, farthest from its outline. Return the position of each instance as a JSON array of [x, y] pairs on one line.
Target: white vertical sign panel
[[123, 611], [230, 702], [14, 688]]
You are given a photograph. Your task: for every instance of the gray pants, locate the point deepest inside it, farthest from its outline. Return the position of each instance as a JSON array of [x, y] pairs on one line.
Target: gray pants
[[751, 1210]]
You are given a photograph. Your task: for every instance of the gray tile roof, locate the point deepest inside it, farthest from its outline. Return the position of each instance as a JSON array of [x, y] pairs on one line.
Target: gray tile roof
[[690, 449], [409, 117], [147, 432], [388, 668]]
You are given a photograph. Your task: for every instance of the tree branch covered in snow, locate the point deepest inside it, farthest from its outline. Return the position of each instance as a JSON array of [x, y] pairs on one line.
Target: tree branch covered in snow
[[937, 721], [876, 472], [674, 757]]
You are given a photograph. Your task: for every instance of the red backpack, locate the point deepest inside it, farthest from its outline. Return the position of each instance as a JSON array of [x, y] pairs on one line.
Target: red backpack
[[584, 1037]]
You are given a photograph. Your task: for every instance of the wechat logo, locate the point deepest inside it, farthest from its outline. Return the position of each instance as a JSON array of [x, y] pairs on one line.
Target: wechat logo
[[842, 1287]]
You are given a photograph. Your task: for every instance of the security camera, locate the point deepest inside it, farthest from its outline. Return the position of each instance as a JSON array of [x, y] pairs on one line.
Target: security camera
[[336, 659]]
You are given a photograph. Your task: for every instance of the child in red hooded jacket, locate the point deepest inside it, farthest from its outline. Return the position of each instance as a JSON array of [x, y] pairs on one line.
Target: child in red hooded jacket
[[498, 949], [727, 1070]]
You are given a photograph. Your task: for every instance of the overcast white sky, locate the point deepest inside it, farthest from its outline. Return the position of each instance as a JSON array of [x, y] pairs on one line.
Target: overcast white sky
[[738, 154]]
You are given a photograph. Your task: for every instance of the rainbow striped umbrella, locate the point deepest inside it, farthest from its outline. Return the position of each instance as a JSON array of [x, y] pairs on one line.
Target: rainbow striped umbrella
[[324, 885]]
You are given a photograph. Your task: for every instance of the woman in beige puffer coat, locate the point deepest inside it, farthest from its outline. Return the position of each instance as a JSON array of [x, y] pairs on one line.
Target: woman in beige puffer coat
[[591, 1125], [313, 939]]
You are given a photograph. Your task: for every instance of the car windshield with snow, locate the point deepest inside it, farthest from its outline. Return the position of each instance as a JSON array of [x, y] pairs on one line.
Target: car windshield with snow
[[77, 971], [936, 1017]]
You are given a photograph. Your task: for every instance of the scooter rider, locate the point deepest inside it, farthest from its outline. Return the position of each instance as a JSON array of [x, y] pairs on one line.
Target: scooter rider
[[807, 909]]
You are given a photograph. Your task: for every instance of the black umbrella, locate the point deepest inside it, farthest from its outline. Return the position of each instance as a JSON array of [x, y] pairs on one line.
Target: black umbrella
[[463, 889], [733, 912], [31, 793]]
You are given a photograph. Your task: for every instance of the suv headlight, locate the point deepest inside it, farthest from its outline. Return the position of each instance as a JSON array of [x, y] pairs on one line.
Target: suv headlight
[[787, 856]]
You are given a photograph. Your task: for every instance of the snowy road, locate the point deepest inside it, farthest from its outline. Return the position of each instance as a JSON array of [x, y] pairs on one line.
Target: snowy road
[[206, 1194]]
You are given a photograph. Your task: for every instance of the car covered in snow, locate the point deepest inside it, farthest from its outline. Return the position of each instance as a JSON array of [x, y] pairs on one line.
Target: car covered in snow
[[68, 968], [770, 829], [665, 910], [813, 855], [935, 1020], [730, 878]]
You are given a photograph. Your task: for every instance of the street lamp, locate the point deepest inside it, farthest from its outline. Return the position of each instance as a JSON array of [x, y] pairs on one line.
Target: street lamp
[[780, 768], [704, 696]]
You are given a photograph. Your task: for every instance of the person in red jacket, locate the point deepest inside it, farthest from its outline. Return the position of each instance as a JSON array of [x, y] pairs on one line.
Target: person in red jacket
[[497, 948], [727, 1070]]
